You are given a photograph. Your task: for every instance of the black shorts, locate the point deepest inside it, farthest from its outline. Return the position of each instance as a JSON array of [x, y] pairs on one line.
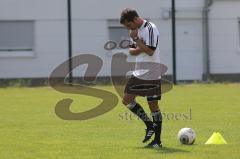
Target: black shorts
[[146, 88]]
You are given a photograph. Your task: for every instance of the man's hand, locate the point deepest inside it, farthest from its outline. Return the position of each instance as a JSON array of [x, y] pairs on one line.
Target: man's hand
[[141, 47], [135, 51], [133, 33], [144, 48]]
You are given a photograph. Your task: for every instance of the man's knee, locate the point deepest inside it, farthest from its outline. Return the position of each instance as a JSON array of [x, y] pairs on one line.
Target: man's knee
[[153, 105], [124, 102], [127, 99], [127, 102]]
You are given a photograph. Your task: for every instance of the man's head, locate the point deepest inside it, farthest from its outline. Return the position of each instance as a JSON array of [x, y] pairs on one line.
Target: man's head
[[130, 19]]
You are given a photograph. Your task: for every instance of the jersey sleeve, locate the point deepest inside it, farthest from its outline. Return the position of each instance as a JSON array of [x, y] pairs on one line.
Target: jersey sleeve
[[151, 36]]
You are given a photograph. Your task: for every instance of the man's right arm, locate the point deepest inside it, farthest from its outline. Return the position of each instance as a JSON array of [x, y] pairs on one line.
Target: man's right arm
[[135, 51]]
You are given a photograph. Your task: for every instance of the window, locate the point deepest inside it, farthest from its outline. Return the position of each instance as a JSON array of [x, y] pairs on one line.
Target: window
[[16, 38], [117, 32]]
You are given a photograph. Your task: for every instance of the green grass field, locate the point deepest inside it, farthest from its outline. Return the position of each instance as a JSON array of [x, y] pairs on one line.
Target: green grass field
[[30, 129]]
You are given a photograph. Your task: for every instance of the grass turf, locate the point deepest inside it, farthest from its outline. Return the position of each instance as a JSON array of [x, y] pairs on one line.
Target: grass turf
[[29, 127]]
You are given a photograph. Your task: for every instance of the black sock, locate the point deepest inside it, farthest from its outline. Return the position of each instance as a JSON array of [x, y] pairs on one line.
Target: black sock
[[157, 121], [139, 111]]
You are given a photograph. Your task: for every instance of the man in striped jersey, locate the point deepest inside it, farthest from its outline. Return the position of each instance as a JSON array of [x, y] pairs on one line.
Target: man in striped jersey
[[145, 37]]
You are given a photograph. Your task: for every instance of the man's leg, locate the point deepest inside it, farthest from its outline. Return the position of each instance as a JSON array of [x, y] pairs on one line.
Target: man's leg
[[129, 101], [157, 120]]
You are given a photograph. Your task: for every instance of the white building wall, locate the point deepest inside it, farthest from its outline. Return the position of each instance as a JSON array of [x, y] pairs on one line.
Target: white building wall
[[90, 22], [90, 32], [90, 27], [224, 37], [50, 32]]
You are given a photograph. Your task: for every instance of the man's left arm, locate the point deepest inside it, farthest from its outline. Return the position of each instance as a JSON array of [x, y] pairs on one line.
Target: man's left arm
[[144, 48], [140, 44]]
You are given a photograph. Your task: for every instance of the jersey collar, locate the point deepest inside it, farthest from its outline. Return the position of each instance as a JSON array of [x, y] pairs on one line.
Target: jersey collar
[[143, 25]]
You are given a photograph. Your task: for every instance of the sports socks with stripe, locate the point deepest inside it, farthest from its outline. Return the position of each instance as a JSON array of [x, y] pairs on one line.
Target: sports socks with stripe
[[139, 111]]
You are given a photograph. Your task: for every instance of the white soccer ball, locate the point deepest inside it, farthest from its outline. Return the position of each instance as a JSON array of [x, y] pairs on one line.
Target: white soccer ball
[[187, 136]]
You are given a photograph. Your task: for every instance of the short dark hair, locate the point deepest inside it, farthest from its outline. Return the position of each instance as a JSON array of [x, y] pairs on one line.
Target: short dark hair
[[128, 14]]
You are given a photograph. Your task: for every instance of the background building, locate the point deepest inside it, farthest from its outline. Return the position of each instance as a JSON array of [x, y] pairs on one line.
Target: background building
[[34, 35]]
